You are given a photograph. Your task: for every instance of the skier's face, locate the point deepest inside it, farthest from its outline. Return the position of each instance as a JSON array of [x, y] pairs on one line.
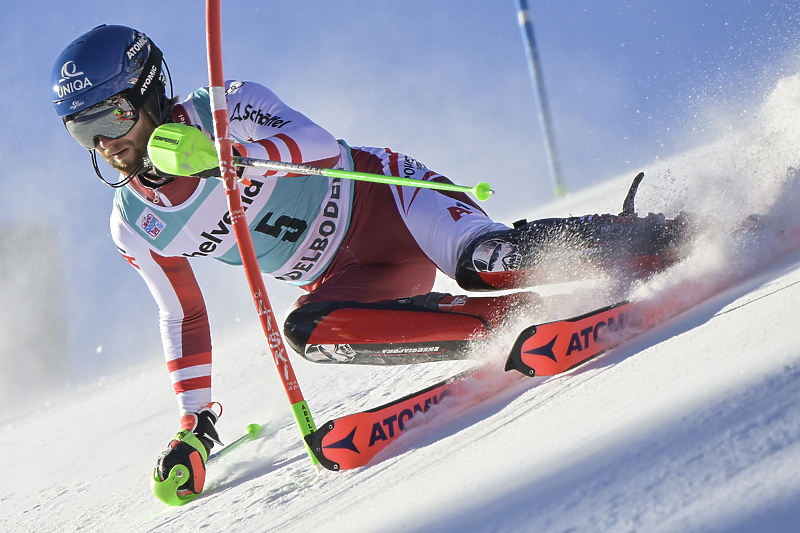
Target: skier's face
[[126, 153]]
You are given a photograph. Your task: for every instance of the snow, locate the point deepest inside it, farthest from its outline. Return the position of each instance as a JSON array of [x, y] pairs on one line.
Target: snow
[[693, 426]]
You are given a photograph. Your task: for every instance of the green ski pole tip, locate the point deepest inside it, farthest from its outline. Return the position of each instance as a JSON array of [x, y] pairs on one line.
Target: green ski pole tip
[[254, 430], [483, 191]]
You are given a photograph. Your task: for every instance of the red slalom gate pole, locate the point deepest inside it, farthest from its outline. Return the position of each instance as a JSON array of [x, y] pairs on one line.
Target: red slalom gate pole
[[219, 109]]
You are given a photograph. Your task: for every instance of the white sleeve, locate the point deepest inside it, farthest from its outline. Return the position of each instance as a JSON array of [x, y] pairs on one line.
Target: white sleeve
[[183, 319]]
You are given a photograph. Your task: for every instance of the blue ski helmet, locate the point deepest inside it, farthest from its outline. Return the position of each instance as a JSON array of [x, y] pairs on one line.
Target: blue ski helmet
[[104, 62]]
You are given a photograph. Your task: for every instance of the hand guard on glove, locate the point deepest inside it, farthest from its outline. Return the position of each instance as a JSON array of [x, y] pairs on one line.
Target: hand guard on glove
[[190, 448]]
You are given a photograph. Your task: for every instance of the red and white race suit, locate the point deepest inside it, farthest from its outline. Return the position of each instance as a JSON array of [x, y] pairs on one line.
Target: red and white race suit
[[338, 239]]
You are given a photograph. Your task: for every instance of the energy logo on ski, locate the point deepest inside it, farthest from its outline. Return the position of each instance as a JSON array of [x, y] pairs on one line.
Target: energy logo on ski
[[555, 347]]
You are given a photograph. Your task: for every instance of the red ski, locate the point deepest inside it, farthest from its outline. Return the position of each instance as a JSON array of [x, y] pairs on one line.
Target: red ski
[[555, 347], [353, 440]]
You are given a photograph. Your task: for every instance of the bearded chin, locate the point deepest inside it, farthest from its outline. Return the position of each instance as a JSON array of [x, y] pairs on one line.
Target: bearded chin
[[140, 164]]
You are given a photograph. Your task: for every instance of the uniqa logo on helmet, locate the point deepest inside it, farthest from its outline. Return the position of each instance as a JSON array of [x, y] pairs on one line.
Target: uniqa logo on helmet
[[71, 80]]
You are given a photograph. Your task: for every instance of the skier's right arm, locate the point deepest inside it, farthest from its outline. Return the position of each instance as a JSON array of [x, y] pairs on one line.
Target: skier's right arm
[[185, 331]]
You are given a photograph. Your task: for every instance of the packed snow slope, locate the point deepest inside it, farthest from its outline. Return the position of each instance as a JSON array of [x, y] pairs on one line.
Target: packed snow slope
[[693, 426]]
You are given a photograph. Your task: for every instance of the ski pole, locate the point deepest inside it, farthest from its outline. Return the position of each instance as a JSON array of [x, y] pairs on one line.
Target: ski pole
[[481, 191], [252, 432], [224, 148], [182, 150]]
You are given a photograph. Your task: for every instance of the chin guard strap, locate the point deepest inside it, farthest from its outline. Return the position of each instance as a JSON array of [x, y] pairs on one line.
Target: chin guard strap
[[121, 183], [145, 171]]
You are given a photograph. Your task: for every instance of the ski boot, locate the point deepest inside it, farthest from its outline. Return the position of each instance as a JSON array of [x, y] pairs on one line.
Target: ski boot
[[180, 472], [556, 250]]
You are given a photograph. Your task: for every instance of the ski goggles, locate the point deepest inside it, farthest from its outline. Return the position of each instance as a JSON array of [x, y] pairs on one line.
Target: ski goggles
[[112, 118]]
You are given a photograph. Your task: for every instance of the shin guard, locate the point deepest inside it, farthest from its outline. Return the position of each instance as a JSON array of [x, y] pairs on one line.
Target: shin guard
[[429, 327]]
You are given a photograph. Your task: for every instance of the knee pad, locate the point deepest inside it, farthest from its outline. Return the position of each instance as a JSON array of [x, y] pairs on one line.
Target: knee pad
[[497, 260]]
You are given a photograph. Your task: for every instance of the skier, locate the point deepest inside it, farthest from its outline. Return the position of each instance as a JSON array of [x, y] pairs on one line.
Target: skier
[[365, 253]]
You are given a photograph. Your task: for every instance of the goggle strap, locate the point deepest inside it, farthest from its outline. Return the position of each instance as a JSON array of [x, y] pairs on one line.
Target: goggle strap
[[137, 94]]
